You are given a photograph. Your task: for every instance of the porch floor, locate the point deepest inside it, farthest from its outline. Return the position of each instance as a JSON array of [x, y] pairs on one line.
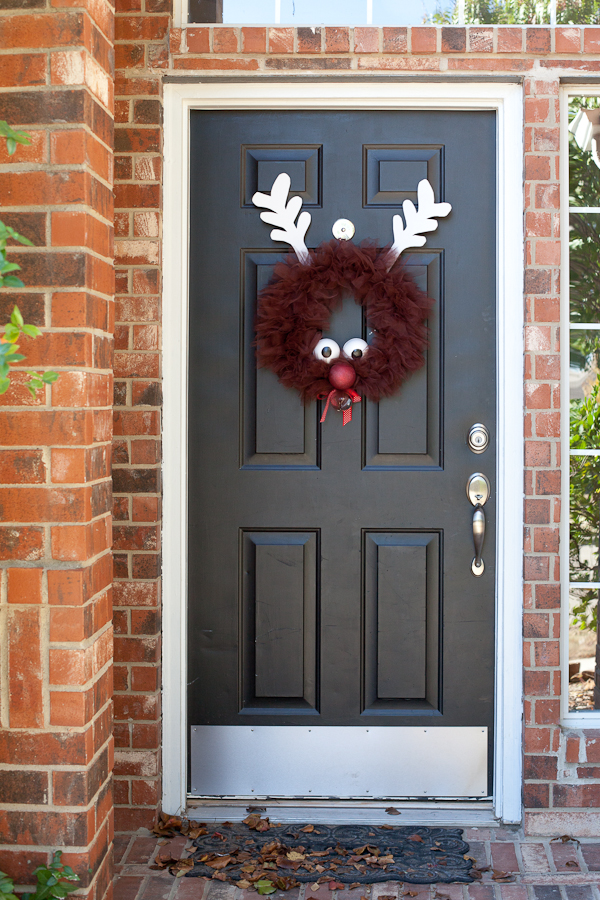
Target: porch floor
[[542, 870]]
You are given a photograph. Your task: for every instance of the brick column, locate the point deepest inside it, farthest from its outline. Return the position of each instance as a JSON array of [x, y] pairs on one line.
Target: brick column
[[141, 55], [56, 74]]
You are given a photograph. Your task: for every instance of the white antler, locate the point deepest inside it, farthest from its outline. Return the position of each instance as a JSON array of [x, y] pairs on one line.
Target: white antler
[[418, 221], [284, 216]]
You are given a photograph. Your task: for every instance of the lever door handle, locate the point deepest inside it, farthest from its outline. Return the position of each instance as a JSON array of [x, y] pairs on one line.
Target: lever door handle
[[477, 566], [478, 492]]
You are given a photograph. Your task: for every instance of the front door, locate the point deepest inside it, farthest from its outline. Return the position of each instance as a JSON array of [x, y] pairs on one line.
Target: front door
[[339, 643]]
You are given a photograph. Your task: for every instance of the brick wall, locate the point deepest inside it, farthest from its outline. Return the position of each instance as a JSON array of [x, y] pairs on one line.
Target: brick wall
[[56, 75], [141, 53]]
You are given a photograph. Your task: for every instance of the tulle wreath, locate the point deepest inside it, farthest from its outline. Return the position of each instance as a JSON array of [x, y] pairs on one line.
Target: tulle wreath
[[294, 310]]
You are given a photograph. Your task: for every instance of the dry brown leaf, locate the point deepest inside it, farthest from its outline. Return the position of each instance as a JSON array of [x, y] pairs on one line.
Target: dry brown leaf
[[572, 863], [410, 894], [320, 868], [502, 877], [387, 827], [416, 837], [354, 885], [242, 883], [220, 876], [294, 855], [315, 886], [392, 811], [565, 838], [308, 828]]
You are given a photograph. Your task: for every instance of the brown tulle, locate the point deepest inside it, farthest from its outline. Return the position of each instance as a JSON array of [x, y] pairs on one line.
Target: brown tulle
[[294, 311]]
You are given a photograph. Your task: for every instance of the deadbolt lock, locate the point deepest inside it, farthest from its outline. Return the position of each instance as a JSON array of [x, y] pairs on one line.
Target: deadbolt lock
[[479, 438]]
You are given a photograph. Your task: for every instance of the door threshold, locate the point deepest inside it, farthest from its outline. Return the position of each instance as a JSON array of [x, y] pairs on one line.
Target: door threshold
[[348, 812]]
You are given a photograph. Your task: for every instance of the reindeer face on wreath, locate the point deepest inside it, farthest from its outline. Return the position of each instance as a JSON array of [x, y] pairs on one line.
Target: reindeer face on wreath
[[294, 310]]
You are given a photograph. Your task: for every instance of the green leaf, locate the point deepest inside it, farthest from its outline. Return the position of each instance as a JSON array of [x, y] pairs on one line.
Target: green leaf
[[264, 886], [11, 281], [4, 385], [31, 331], [16, 318], [50, 378], [9, 267], [11, 332], [11, 145]]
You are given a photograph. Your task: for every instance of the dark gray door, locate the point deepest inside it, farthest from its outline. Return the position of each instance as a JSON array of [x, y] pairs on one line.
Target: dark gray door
[[330, 577]]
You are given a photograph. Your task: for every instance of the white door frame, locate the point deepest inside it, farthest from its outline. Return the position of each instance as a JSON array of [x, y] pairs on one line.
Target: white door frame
[[506, 100]]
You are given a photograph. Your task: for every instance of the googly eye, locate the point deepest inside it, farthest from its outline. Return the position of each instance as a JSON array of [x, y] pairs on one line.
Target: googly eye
[[327, 350], [355, 348]]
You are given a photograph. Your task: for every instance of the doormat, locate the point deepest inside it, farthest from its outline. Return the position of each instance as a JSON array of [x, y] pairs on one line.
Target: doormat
[[286, 855]]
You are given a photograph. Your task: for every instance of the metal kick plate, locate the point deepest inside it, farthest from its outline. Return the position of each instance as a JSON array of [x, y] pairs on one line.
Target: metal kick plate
[[333, 761]]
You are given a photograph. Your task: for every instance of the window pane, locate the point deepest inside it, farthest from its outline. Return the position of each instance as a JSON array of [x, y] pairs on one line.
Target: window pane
[[584, 362], [409, 12], [584, 270], [584, 518], [582, 649], [241, 12], [316, 12], [584, 173]]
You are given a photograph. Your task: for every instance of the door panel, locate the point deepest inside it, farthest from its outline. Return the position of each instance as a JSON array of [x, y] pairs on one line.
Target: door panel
[[330, 578], [402, 612], [279, 621]]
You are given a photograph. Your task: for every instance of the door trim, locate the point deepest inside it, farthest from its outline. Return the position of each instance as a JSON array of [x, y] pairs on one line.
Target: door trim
[[507, 101]]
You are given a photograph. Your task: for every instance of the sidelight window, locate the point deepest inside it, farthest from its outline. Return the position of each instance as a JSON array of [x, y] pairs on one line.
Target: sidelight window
[[396, 12], [584, 403]]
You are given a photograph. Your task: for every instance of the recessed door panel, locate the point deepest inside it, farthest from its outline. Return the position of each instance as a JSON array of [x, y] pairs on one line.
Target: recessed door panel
[[402, 615], [278, 620]]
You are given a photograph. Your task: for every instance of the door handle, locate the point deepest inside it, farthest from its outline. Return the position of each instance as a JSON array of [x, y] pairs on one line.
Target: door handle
[[477, 566], [478, 492]]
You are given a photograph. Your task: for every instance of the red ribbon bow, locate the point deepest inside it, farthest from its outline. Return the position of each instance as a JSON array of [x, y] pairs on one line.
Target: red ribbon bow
[[346, 413]]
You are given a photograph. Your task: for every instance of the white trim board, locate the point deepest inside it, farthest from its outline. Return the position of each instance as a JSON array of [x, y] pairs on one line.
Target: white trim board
[[507, 100]]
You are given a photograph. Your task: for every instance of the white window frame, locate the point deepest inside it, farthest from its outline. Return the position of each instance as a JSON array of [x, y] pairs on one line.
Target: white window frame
[[589, 719], [507, 100]]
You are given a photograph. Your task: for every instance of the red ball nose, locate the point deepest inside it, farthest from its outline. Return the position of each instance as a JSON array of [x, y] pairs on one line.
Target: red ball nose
[[342, 376]]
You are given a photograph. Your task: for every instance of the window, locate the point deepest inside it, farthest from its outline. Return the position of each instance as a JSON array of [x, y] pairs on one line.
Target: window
[[396, 12], [584, 401]]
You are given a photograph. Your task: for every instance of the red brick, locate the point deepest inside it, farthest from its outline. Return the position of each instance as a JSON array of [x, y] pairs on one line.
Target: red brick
[[591, 40], [25, 585], [366, 40], [309, 40], [254, 40], [25, 669], [537, 40], [281, 40], [536, 568], [225, 40], [510, 40], [423, 40]]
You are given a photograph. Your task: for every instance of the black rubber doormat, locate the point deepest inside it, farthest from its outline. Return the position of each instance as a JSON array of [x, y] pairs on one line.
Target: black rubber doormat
[[286, 855]]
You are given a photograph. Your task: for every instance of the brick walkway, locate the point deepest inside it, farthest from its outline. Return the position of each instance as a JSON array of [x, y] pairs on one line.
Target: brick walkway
[[542, 870]]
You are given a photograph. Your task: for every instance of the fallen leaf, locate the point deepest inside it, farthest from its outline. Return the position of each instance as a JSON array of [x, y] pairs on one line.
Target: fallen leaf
[[572, 862], [294, 855], [259, 809], [220, 876], [416, 837], [387, 827], [308, 828], [392, 811], [354, 885], [334, 886], [162, 842], [472, 858], [242, 883], [264, 886], [502, 877], [565, 838], [315, 887], [410, 894]]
